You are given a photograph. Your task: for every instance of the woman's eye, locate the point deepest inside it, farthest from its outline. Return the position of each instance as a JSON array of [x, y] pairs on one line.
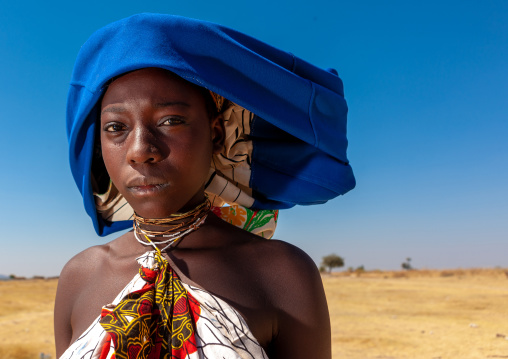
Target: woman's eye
[[171, 121], [114, 127]]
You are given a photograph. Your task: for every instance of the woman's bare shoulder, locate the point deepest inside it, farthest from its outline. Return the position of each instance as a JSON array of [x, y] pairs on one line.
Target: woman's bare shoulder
[[296, 290], [288, 253], [75, 275], [286, 265], [86, 262], [83, 264], [88, 265]]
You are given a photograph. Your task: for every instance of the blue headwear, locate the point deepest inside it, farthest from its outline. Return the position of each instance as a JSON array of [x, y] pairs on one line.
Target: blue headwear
[[297, 111]]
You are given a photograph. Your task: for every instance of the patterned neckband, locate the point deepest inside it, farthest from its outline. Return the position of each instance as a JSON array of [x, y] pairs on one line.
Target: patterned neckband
[[172, 228]]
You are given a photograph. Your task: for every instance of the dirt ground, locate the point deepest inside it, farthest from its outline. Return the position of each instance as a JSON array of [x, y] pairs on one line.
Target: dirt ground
[[26, 318], [383, 315], [419, 314]]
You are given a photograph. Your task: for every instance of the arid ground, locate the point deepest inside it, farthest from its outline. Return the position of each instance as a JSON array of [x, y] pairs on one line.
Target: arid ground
[[414, 314], [419, 314]]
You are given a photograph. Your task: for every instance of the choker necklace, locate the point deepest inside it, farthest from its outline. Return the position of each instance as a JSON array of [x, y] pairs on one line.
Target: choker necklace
[[175, 226]]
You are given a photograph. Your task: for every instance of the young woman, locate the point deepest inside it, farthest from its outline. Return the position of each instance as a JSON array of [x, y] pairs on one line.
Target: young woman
[[198, 177]]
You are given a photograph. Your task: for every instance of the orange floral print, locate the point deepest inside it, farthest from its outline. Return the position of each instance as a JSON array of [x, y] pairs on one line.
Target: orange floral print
[[259, 222], [236, 215]]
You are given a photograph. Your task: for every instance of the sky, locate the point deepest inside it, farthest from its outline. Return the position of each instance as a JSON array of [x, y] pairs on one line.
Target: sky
[[426, 85]]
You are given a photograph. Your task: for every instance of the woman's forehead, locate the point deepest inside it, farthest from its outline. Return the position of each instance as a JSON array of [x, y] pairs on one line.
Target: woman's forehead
[[158, 86], [154, 80]]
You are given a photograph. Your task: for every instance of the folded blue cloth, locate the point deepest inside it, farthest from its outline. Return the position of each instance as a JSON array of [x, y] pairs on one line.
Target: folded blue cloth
[[299, 127]]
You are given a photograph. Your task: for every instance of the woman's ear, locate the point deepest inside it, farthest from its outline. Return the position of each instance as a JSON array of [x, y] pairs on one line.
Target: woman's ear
[[218, 133]]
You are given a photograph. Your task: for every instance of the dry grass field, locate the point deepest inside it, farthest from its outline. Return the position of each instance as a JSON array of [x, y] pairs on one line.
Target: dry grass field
[[26, 318], [416, 314], [419, 314]]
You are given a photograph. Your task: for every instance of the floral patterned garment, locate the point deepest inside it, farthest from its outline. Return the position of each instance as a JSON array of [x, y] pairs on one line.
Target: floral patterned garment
[[260, 222], [158, 316]]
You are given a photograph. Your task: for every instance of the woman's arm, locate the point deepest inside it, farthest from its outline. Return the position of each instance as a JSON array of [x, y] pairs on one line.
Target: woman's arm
[[303, 322], [63, 309], [72, 281]]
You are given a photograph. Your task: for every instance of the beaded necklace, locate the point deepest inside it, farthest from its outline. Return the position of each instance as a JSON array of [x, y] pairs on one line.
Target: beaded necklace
[[176, 226]]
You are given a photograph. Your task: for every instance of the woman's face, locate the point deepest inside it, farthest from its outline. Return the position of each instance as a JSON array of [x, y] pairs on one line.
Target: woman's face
[[157, 141]]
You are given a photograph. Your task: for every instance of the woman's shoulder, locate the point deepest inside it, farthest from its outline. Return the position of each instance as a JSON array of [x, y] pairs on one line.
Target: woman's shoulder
[[94, 262], [276, 254], [294, 287], [78, 274], [260, 255], [74, 277], [287, 253], [285, 265], [280, 269], [83, 263]]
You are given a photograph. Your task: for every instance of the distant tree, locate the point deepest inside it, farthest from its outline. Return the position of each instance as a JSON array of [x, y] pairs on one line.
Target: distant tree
[[332, 261], [407, 264]]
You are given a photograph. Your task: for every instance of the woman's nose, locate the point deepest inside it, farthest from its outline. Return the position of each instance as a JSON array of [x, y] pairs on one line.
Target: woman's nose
[[143, 147]]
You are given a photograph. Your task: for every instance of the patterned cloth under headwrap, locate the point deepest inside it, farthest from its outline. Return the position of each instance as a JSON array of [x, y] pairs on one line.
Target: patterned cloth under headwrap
[[158, 316], [286, 124]]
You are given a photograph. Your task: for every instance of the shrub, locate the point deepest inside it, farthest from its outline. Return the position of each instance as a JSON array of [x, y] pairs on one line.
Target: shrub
[[332, 261]]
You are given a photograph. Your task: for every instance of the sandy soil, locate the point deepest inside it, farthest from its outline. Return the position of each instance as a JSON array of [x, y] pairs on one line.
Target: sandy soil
[[422, 314], [26, 319], [419, 314]]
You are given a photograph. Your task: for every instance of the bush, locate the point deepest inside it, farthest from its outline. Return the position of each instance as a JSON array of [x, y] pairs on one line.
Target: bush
[[332, 261], [407, 264]]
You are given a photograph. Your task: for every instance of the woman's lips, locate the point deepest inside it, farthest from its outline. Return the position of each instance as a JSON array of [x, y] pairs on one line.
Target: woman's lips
[[147, 189]]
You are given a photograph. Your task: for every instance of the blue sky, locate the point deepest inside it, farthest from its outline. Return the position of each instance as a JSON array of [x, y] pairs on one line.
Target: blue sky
[[426, 84]]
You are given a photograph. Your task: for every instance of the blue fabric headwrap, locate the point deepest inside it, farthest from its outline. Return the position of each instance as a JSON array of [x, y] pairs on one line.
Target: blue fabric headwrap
[[299, 127]]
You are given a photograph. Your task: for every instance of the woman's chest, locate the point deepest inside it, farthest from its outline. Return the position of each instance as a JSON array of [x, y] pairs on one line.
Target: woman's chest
[[236, 288], [102, 285], [235, 282]]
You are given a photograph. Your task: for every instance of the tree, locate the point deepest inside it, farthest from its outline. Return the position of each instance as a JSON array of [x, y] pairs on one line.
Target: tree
[[407, 264], [332, 261]]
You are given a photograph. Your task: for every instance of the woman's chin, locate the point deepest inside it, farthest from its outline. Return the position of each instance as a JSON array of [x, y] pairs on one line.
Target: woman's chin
[[159, 208]]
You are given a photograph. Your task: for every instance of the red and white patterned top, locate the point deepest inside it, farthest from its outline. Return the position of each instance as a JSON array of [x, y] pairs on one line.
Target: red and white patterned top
[[157, 314]]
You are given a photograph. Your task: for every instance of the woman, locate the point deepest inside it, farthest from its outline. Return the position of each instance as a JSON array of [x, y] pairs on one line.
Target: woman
[[169, 158]]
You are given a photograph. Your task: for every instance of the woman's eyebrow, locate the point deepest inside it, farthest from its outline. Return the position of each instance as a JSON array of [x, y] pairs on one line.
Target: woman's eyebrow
[[114, 109], [119, 109], [171, 103]]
